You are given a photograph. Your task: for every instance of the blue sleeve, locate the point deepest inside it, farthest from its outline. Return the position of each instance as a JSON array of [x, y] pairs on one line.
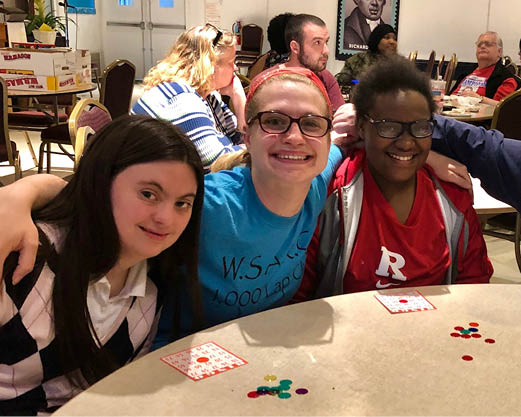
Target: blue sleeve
[[333, 162], [189, 112], [488, 155], [322, 180]]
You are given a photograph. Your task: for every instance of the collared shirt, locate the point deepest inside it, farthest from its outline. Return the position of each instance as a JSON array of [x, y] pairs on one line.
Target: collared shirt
[[105, 310], [373, 23]]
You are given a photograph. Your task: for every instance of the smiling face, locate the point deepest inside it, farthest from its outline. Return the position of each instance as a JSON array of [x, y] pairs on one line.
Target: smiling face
[[488, 51], [289, 158], [388, 44], [152, 204], [371, 9], [224, 68], [313, 52], [395, 161]]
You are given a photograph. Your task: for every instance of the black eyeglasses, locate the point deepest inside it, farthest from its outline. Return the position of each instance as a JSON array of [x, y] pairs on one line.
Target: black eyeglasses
[[391, 129], [276, 122], [218, 36]]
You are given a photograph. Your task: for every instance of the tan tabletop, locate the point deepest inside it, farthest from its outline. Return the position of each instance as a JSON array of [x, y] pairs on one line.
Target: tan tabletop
[[485, 113], [353, 356], [85, 88], [484, 203]]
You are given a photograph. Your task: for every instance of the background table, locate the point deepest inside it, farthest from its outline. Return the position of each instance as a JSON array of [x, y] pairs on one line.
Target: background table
[[486, 112], [485, 204], [85, 88], [353, 356]]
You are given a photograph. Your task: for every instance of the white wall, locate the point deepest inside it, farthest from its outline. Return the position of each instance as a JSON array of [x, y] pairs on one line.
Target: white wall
[[443, 25], [87, 28], [446, 26]]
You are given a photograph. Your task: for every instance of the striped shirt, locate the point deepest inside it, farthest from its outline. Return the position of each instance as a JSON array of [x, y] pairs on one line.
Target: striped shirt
[[209, 123]]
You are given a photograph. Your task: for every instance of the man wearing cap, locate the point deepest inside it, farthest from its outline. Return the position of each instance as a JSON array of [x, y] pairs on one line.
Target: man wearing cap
[[382, 41], [490, 81], [307, 37], [361, 22]]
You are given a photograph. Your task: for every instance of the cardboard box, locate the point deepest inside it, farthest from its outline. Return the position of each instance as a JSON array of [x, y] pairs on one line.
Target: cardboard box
[[84, 76], [83, 59], [49, 62], [41, 82]]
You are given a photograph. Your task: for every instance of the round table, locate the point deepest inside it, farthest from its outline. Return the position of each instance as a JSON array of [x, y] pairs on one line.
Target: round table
[[84, 88], [485, 113], [353, 356]]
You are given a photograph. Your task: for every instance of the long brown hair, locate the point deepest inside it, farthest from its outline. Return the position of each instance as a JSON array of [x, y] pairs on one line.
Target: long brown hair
[[91, 247]]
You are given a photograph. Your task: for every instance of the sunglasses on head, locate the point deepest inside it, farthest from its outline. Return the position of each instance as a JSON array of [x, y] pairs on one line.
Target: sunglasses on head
[[218, 35]]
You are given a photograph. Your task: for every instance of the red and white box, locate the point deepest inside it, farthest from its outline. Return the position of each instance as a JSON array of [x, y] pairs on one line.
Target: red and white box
[[50, 62], [83, 60], [41, 82]]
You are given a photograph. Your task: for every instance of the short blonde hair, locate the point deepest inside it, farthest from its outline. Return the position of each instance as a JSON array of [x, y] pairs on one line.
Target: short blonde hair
[[192, 59]]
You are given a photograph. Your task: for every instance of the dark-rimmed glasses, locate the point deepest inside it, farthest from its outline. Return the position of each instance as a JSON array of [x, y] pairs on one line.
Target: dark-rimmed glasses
[[276, 122], [218, 36], [391, 129]]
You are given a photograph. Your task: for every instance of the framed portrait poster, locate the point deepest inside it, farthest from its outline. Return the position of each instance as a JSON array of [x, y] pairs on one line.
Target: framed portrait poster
[[357, 18]]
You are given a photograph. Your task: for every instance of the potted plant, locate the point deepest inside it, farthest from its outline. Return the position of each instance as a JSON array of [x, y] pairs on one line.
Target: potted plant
[[41, 17]]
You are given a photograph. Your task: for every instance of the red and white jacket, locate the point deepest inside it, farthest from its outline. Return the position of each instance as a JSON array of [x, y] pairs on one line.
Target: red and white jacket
[[339, 262]]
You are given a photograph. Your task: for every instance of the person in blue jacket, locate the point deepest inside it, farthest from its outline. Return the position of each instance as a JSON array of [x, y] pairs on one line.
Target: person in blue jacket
[[487, 154], [257, 219]]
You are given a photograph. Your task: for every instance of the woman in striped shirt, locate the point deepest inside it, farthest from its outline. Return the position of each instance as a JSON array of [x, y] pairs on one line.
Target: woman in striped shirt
[[185, 87]]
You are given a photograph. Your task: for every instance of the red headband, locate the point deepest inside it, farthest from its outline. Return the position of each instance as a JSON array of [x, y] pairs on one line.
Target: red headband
[[282, 69]]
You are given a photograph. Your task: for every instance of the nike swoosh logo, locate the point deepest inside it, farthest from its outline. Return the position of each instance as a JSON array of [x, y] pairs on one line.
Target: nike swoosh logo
[[381, 286]]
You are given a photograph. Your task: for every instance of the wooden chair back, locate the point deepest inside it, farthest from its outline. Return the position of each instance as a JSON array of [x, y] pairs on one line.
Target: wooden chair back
[[87, 112], [449, 72], [82, 136], [117, 85], [430, 64], [439, 68], [506, 116], [258, 66], [252, 38]]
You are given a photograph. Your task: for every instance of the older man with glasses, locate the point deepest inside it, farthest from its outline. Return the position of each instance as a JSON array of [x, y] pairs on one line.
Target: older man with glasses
[[490, 80]]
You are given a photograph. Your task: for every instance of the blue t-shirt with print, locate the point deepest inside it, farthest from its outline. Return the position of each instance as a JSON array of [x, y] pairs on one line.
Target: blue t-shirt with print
[[250, 259]]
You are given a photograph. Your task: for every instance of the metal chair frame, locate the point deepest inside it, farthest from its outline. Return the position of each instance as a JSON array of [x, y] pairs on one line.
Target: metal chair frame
[[72, 130]]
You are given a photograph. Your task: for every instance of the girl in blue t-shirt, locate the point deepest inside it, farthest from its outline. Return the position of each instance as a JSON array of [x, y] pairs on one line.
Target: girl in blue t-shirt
[[258, 219]]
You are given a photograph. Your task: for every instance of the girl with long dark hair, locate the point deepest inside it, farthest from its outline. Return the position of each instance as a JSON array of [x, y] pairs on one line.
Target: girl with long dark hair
[[92, 301]]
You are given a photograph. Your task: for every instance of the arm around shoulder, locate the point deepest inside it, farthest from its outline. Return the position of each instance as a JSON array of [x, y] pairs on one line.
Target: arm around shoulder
[[495, 160], [19, 232]]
